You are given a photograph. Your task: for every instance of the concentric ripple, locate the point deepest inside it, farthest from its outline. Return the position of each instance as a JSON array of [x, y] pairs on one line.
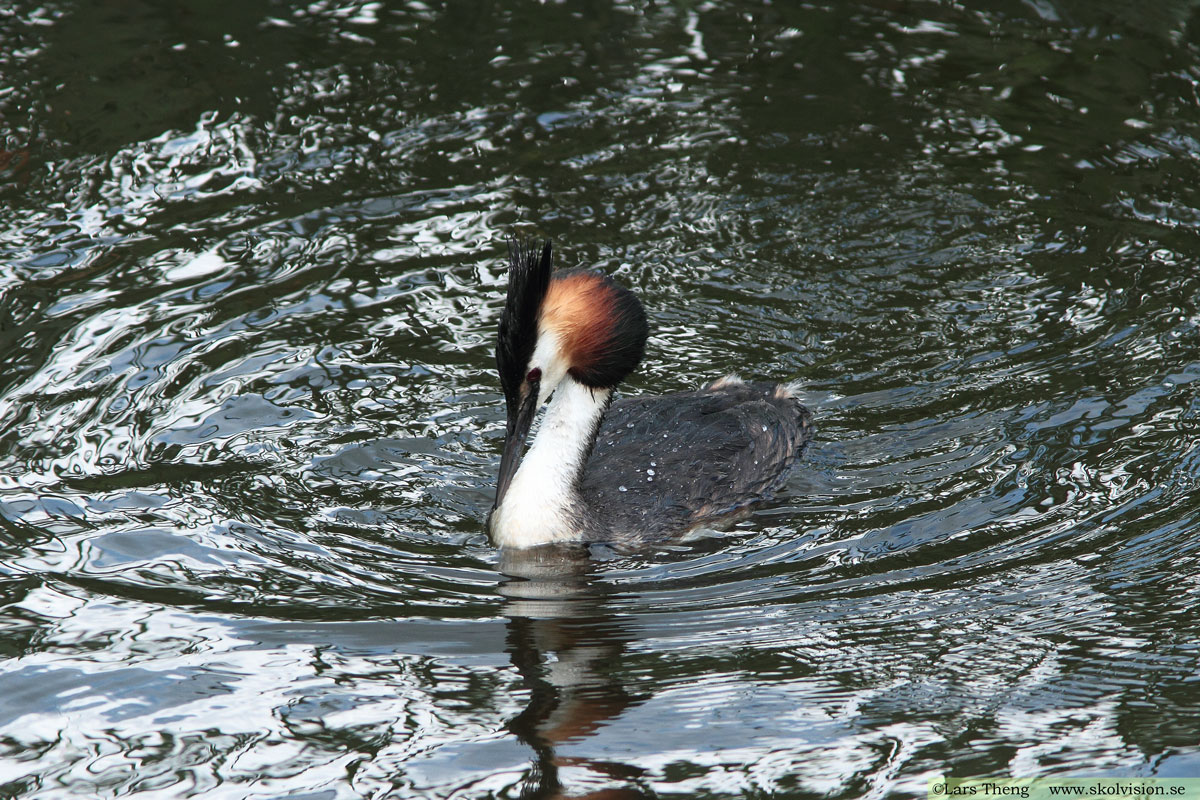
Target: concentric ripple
[[251, 262]]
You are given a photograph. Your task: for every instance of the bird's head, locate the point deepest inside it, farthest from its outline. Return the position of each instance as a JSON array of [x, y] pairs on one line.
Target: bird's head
[[578, 325]]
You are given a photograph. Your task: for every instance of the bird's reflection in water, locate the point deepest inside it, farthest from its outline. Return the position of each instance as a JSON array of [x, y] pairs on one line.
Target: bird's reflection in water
[[567, 646]]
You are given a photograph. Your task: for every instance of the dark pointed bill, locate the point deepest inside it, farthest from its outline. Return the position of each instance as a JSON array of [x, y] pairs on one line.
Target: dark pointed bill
[[517, 430]]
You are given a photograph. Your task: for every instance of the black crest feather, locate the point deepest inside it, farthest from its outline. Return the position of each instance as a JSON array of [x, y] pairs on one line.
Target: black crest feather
[[528, 279]]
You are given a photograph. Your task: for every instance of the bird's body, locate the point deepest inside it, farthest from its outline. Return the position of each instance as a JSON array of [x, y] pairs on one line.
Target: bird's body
[[638, 470], [665, 465]]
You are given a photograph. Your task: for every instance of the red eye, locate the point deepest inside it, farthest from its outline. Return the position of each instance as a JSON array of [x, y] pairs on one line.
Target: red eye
[[534, 375]]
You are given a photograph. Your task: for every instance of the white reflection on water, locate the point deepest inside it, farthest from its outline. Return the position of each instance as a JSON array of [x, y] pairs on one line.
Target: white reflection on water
[[249, 428]]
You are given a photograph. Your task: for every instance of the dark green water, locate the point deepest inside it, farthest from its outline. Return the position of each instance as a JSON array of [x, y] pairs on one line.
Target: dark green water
[[251, 261]]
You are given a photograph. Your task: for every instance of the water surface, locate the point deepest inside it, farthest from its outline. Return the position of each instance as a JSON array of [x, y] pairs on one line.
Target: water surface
[[251, 263]]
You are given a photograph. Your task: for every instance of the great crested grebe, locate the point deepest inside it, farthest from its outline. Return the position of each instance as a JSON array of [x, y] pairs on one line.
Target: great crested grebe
[[643, 469]]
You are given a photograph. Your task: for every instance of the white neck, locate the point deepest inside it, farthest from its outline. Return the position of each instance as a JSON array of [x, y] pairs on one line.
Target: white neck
[[542, 501]]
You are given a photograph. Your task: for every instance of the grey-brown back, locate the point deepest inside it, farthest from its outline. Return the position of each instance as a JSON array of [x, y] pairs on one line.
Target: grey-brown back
[[663, 465]]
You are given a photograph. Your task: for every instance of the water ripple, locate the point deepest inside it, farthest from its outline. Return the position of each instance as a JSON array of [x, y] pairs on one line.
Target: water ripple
[[249, 426]]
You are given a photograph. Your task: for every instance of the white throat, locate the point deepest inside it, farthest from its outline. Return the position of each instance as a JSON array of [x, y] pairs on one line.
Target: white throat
[[542, 503]]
